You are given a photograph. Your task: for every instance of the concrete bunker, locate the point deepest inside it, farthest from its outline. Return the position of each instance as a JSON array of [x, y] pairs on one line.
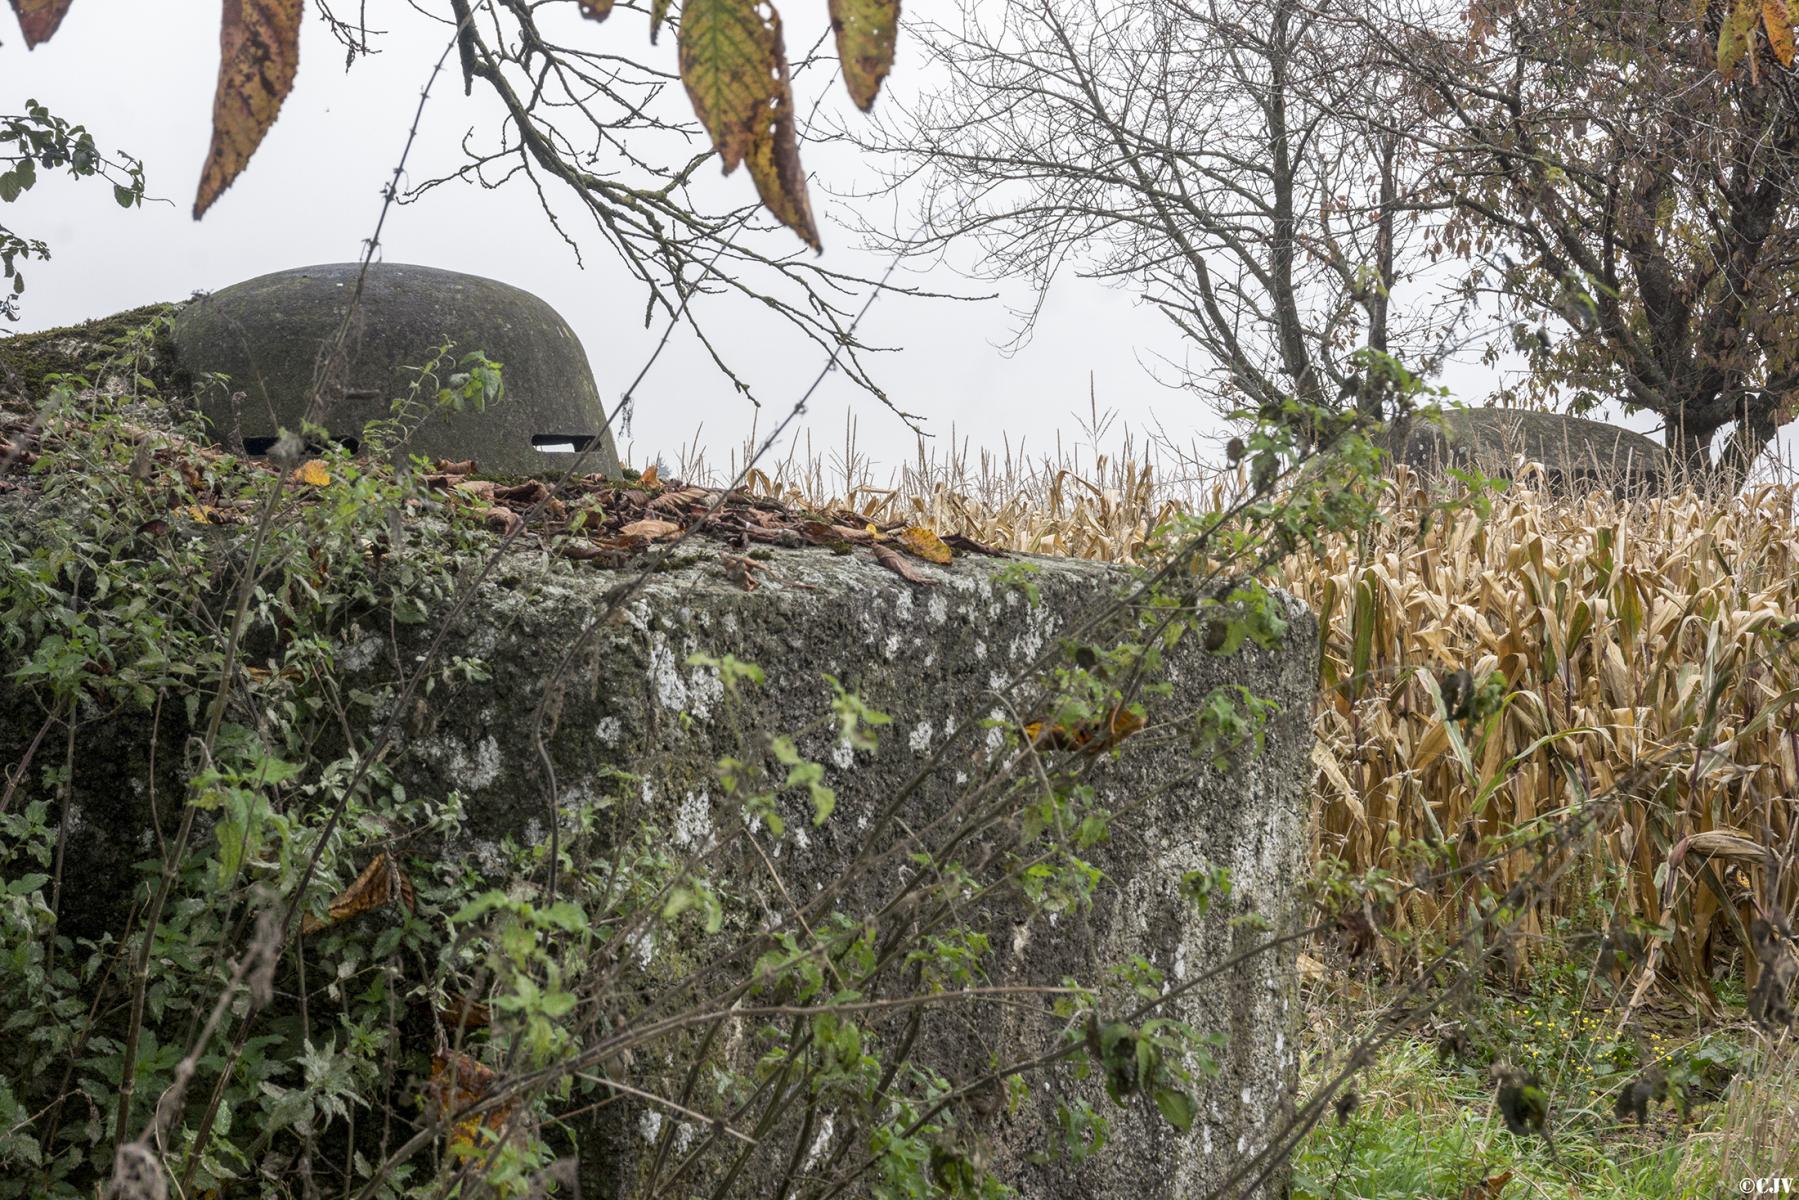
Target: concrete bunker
[[266, 337], [1577, 454]]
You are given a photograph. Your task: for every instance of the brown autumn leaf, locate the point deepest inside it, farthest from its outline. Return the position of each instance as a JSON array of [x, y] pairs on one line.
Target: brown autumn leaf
[[742, 570], [1097, 738], [582, 550], [503, 521], [679, 497], [866, 32], [479, 489], [38, 19], [1488, 1188], [531, 491], [458, 1081], [651, 528], [259, 52], [925, 545], [967, 545], [380, 883], [596, 10], [896, 562]]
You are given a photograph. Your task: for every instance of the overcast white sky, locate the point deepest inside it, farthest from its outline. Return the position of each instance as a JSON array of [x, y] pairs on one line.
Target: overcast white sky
[[140, 75]]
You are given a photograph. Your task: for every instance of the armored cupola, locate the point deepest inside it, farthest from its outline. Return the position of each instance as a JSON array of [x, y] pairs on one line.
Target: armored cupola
[[258, 352]]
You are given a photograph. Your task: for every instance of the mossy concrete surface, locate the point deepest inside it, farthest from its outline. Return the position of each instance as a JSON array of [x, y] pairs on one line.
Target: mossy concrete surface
[[1576, 453], [630, 718]]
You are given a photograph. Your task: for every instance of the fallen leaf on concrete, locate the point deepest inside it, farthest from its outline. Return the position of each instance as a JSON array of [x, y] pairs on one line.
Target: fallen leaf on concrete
[[502, 520], [583, 551], [743, 570], [532, 491], [896, 562], [968, 545], [651, 528], [925, 544], [679, 498], [479, 489]]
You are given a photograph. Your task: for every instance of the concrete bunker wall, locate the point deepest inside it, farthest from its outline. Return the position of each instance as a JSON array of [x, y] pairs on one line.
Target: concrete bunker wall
[[630, 711]]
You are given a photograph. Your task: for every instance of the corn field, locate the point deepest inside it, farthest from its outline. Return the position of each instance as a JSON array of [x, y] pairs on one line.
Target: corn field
[[1645, 645]]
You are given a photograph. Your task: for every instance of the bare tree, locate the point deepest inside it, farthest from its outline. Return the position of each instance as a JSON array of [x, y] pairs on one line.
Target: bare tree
[[601, 130], [1616, 185], [1218, 155]]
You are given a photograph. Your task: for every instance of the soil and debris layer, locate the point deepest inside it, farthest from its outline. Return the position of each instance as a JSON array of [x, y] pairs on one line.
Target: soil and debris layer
[[610, 523]]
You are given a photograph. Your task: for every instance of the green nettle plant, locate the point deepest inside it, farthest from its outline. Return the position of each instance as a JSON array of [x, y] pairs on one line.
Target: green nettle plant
[[299, 992]]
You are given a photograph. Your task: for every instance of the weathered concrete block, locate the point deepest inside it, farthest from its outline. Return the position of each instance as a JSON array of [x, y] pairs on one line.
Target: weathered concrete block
[[937, 659], [632, 725]]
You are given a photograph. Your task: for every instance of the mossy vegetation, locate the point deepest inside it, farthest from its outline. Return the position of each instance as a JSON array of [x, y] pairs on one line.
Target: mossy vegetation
[[28, 359]]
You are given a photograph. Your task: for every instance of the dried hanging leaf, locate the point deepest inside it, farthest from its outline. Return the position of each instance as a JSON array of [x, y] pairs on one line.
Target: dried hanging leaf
[[38, 19], [866, 32], [925, 544], [728, 62], [259, 51], [896, 562], [651, 528], [1736, 33], [735, 68], [596, 10], [380, 883], [312, 473], [780, 179], [1779, 22]]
